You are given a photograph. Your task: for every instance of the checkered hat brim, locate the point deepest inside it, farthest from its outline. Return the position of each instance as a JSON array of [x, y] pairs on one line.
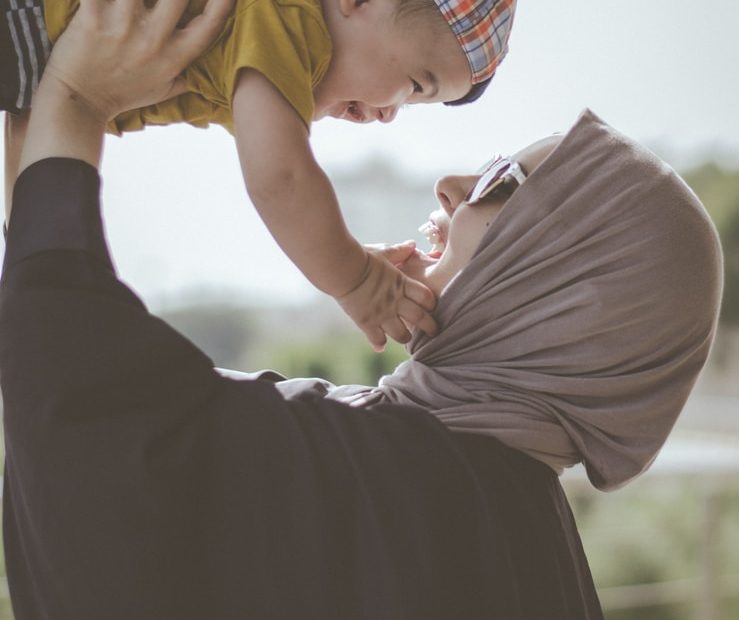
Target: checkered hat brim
[[482, 28]]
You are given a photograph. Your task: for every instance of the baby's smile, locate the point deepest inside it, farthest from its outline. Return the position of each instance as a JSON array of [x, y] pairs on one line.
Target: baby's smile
[[355, 112]]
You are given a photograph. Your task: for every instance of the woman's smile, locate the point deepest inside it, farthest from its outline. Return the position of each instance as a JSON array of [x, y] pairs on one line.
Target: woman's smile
[[435, 231]]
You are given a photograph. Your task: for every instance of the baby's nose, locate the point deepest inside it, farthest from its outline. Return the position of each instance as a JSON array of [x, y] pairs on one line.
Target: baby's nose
[[387, 114]]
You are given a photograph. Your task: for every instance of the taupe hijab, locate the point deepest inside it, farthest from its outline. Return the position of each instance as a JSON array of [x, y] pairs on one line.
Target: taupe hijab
[[579, 327]]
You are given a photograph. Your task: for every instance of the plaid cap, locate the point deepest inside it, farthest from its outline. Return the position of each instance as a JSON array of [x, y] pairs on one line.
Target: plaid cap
[[482, 28]]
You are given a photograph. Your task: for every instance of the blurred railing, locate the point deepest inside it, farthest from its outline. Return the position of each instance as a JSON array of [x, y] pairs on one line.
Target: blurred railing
[[708, 466]]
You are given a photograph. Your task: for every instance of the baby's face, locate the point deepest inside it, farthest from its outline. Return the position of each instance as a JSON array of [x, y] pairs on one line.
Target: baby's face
[[382, 62]]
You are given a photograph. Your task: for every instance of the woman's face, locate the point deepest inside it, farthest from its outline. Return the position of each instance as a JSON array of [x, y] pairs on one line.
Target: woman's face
[[456, 228]]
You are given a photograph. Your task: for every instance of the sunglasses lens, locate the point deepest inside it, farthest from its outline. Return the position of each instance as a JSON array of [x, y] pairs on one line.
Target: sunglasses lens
[[474, 194], [489, 179]]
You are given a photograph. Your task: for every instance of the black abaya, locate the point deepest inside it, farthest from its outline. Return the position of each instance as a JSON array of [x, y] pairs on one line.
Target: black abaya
[[140, 484]]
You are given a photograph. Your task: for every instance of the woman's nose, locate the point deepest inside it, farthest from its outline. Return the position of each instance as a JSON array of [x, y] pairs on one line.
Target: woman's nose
[[450, 192]]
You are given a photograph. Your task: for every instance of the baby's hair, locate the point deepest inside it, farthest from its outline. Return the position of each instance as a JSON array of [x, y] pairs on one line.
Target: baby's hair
[[407, 8], [473, 94]]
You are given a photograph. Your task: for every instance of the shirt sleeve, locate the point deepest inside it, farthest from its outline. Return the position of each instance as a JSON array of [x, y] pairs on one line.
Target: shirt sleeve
[[71, 333], [288, 43]]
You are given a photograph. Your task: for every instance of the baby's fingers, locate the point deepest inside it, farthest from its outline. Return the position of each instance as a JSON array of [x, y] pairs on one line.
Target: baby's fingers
[[397, 330], [414, 315], [419, 293], [395, 253], [376, 337]]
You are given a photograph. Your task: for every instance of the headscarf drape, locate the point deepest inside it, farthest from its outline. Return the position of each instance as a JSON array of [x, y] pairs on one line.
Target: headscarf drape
[[578, 329]]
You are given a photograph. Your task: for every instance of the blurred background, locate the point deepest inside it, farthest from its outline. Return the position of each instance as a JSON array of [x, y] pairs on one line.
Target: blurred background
[[187, 240]]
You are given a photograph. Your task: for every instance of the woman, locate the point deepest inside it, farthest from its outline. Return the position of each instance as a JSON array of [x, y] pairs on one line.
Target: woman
[[141, 484], [575, 315]]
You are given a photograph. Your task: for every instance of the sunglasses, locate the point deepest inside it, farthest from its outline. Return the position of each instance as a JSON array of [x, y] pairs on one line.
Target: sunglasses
[[492, 175]]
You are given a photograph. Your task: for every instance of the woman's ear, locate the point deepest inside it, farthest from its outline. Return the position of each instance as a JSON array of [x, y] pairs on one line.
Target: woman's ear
[[532, 155]]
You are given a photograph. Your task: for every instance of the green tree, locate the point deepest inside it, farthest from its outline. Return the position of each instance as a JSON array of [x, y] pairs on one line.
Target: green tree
[[718, 189], [224, 332], [730, 241]]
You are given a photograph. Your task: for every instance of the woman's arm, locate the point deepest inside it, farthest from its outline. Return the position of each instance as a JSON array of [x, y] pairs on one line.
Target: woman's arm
[[69, 329]]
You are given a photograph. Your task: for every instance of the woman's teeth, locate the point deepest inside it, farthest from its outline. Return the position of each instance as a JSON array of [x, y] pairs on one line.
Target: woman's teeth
[[432, 232]]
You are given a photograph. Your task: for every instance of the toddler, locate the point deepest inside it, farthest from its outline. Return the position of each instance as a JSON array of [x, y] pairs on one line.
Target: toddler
[[277, 66]]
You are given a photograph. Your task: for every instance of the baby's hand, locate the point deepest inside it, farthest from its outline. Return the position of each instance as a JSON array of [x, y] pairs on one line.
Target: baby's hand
[[386, 301]]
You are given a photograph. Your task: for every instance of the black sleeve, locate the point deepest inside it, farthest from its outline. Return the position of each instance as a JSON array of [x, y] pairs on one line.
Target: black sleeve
[[140, 484], [70, 331]]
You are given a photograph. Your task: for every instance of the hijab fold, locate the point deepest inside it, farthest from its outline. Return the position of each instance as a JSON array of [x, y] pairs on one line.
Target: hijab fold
[[578, 329]]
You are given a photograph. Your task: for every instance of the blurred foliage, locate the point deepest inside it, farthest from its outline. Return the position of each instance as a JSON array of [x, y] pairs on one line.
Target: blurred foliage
[[730, 241], [341, 358], [656, 612], [651, 532], [248, 339], [224, 332], [616, 528], [717, 187], [719, 191]]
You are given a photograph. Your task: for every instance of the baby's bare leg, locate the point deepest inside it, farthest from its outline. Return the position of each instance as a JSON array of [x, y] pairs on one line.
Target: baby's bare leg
[[15, 135]]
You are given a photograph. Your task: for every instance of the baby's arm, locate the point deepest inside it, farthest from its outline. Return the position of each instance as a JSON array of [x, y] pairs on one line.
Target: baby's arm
[[297, 203]]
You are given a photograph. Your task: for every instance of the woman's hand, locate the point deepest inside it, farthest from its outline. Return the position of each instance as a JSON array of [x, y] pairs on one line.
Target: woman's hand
[[117, 55]]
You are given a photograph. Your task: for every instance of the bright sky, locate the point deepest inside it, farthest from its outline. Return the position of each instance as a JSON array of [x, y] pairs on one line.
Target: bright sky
[[664, 72]]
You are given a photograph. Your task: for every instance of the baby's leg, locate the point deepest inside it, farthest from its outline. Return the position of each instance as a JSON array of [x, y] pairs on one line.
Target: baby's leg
[[15, 135]]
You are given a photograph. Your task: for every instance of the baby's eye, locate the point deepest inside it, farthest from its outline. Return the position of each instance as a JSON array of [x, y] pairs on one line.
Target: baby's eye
[[417, 88]]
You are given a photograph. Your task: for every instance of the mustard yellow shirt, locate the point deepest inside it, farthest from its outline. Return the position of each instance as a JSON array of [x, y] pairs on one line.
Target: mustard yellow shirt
[[285, 40]]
